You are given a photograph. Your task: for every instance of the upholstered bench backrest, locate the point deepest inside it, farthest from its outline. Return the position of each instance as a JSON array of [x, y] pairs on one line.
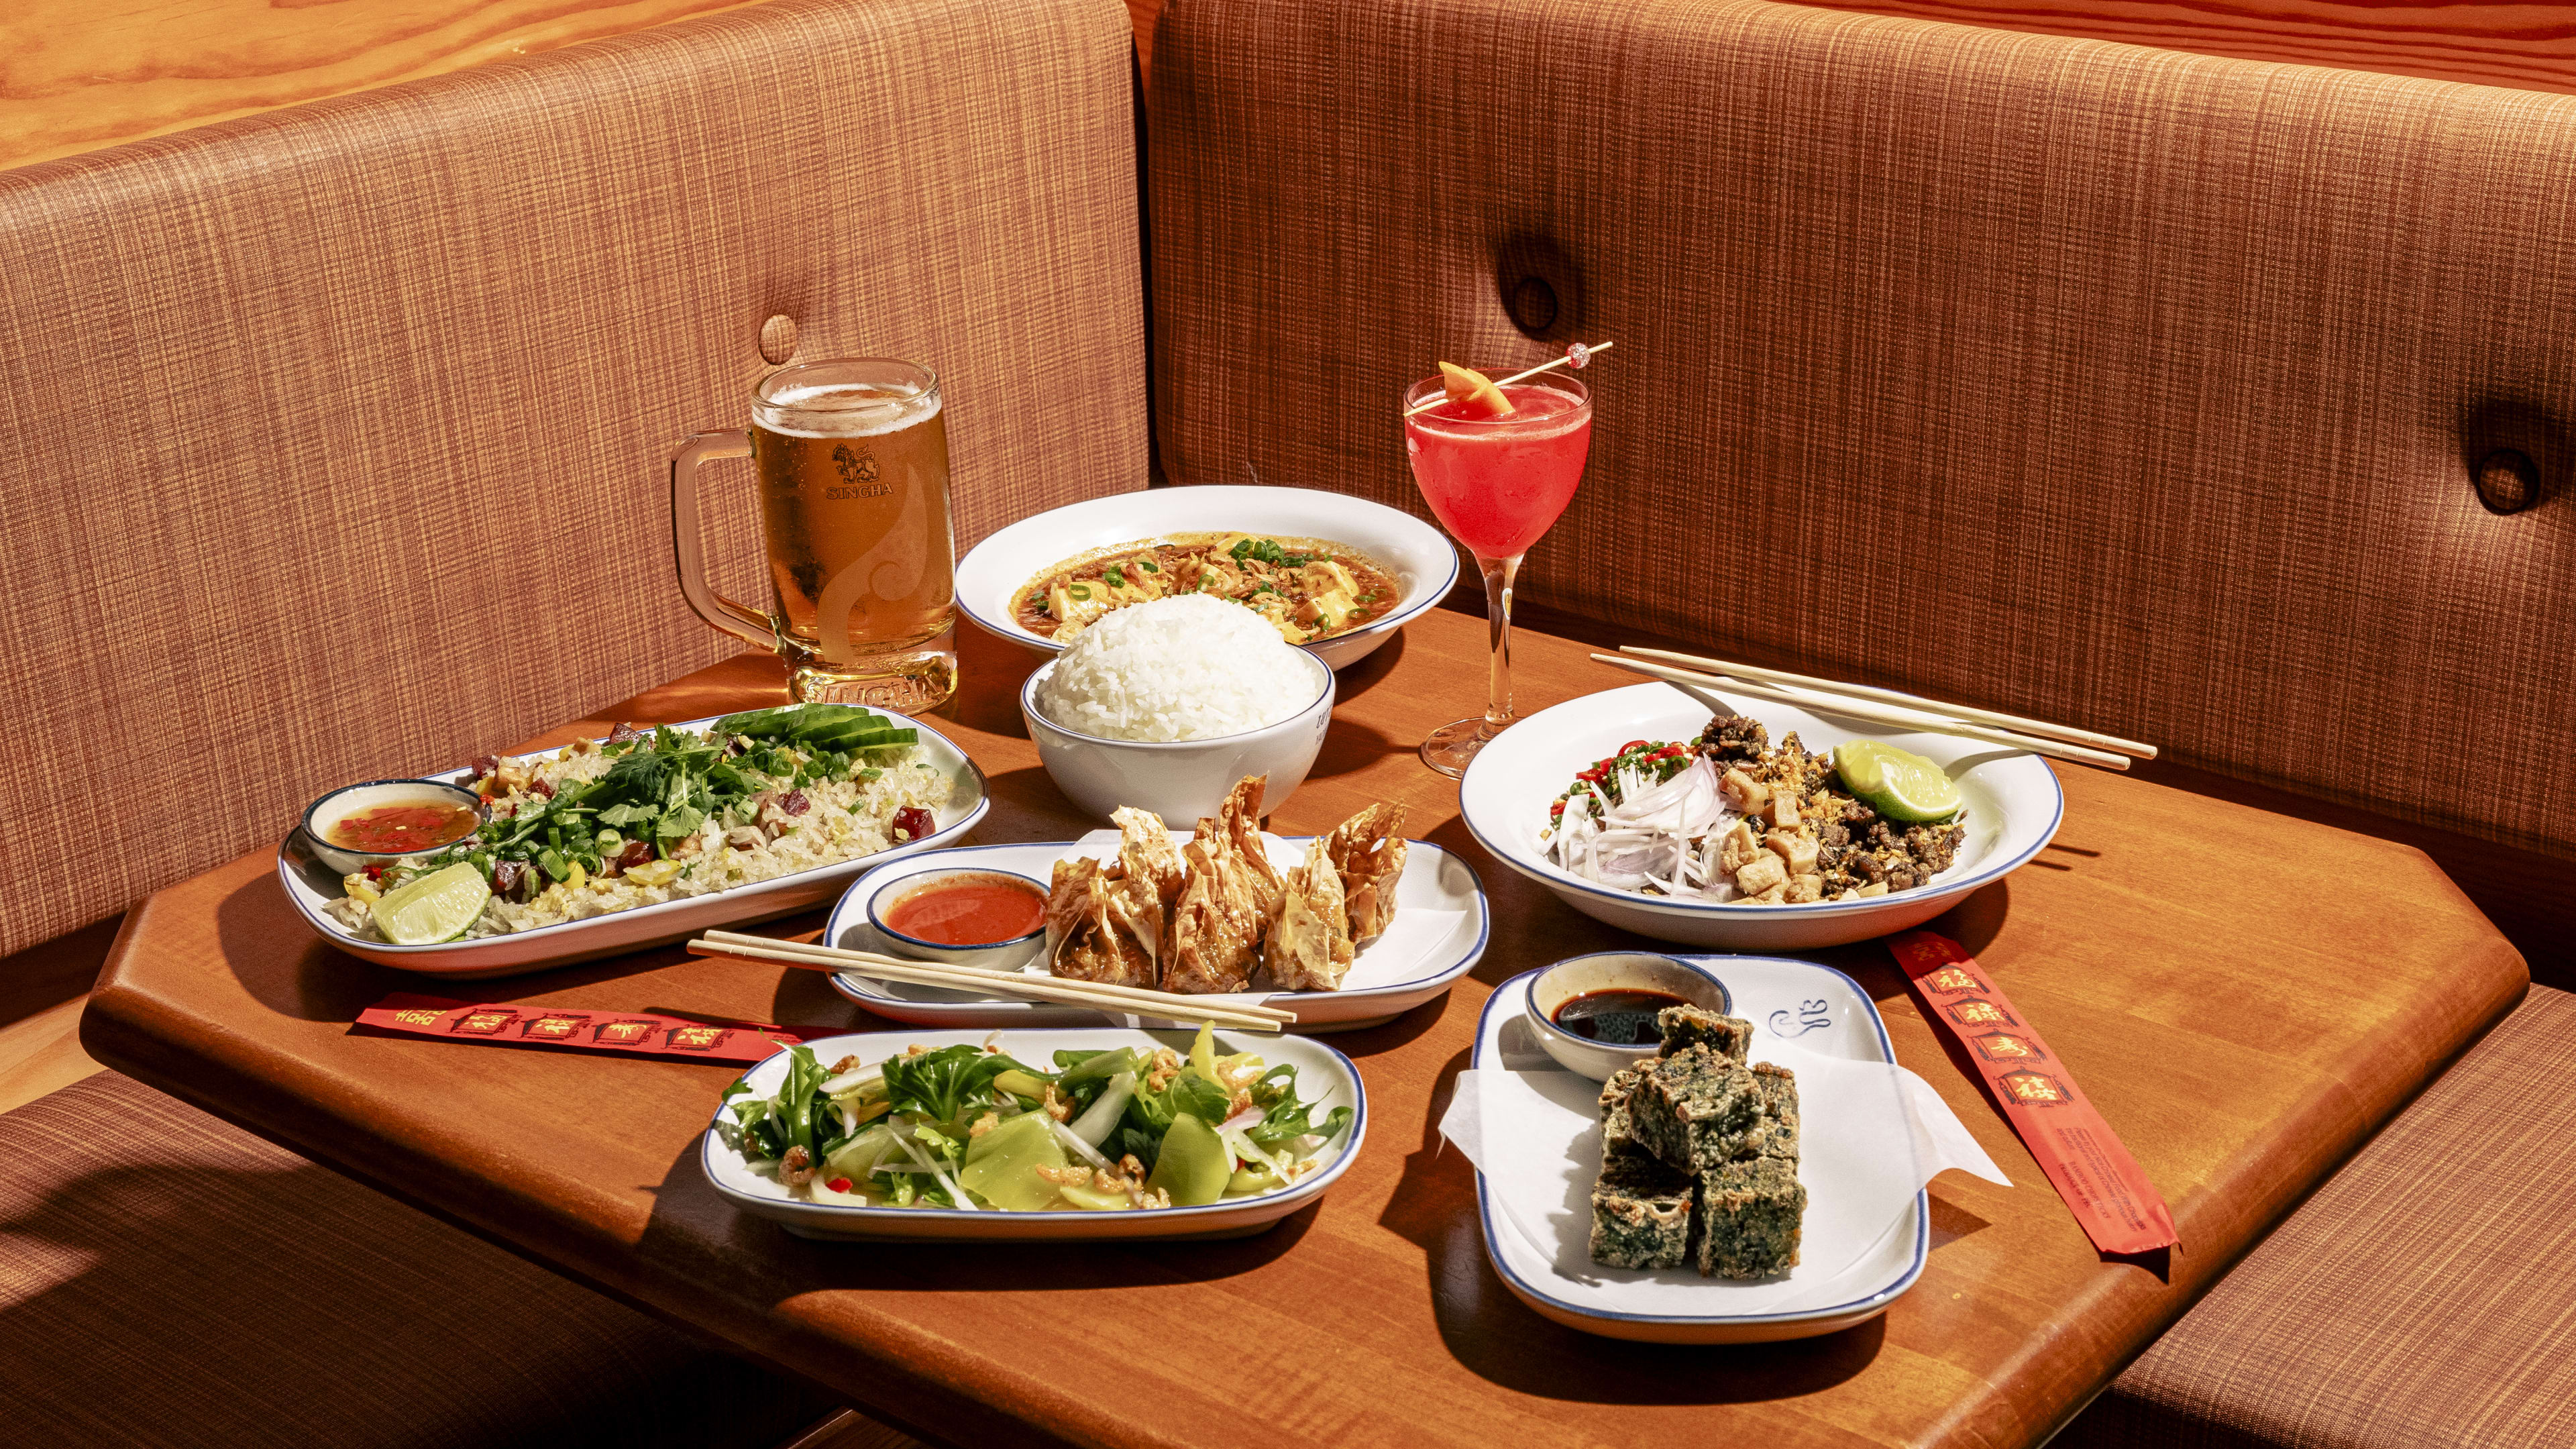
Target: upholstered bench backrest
[[2129, 388], [335, 437]]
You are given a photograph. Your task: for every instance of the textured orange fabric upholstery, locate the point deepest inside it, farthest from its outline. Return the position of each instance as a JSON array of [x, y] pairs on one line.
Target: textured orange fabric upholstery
[[336, 435], [2124, 387], [166, 1279], [2420, 1300]]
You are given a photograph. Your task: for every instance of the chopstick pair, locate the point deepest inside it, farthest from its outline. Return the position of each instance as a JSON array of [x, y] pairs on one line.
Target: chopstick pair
[[1885, 706], [1220, 1010]]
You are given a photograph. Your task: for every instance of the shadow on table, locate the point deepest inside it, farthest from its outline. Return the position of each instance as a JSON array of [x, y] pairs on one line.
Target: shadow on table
[[1494, 1335], [1355, 680]]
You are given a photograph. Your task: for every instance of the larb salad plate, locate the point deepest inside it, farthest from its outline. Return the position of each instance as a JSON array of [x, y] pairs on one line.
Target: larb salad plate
[[1541, 1123], [1324, 1081], [311, 886], [1436, 936], [2012, 808]]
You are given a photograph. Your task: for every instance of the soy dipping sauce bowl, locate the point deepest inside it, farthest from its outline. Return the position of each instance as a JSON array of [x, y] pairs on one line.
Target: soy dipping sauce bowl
[[1614, 971]]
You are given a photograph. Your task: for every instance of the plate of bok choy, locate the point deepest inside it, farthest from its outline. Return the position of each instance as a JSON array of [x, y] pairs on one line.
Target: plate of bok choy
[[1040, 1134]]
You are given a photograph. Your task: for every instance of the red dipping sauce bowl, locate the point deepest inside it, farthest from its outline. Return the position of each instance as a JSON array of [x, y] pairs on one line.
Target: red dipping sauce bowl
[[959, 916]]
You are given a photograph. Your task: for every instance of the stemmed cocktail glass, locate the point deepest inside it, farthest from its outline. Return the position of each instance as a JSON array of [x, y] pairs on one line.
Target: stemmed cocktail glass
[[1497, 480]]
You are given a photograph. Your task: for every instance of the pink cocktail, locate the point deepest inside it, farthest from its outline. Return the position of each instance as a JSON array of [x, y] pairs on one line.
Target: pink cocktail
[[1497, 484]]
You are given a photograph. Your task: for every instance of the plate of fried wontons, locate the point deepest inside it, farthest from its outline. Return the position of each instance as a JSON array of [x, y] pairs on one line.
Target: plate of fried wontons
[[1347, 929]]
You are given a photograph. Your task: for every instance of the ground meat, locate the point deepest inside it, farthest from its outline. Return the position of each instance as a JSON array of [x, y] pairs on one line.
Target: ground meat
[[1934, 846], [1733, 739]]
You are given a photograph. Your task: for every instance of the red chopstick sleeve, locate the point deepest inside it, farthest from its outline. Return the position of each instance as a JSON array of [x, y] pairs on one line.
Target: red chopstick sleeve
[[627, 1033], [2109, 1193]]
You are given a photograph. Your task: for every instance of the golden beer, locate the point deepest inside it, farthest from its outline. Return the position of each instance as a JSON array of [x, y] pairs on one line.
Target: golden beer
[[853, 464]]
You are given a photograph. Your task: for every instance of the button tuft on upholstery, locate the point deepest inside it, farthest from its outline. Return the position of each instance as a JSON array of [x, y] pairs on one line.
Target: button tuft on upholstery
[[778, 340], [2507, 481], [1532, 304]]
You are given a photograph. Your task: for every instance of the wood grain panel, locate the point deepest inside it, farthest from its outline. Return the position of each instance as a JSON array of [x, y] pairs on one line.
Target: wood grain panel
[[2529, 47], [76, 75], [2242, 1050]]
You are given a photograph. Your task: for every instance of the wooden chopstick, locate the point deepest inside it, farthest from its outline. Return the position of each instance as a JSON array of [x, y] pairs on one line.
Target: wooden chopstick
[[856, 960], [1902, 700], [1876, 714], [1100, 996]]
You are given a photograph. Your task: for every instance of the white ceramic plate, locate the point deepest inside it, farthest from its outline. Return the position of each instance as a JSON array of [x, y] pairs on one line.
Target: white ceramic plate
[[1324, 1076], [1823, 1012], [310, 886], [1374, 993], [2013, 800], [1416, 555]]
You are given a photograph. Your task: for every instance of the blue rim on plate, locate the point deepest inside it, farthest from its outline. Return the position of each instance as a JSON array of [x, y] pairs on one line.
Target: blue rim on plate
[[1300, 1193], [1517, 989], [836, 923], [332, 931], [1559, 877]]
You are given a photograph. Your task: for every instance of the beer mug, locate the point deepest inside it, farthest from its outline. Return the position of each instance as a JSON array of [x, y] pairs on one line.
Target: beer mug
[[853, 462]]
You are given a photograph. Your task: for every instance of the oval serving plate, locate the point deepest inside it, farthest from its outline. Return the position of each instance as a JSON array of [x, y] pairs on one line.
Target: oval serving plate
[[310, 885], [1416, 555], [1324, 1076], [1434, 881], [2013, 799], [1821, 1011]]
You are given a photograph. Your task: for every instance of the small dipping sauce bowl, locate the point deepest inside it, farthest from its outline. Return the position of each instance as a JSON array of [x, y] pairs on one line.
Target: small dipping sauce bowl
[[355, 802], [1571, 980], [913, 907]]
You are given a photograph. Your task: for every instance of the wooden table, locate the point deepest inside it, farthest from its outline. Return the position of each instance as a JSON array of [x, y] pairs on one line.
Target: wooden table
[[2247, 996]]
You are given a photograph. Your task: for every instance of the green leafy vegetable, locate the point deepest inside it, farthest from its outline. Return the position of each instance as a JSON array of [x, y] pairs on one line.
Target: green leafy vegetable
[[939, 1084]]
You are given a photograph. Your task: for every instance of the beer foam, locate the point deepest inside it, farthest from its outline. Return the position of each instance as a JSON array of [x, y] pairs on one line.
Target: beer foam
[[845, 409]]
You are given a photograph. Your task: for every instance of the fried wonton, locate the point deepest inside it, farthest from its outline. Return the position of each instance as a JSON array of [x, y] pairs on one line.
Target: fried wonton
[[1101, 926], [1147, 852], [1216, 928], [1239, 821], [1368, 852], [1309, 948]]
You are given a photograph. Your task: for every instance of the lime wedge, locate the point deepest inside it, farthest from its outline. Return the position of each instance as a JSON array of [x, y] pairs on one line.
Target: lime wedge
[[1896, 783], [437, 907]]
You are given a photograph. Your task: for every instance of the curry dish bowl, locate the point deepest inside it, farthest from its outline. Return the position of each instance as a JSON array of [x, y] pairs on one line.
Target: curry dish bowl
[[1335, 575]]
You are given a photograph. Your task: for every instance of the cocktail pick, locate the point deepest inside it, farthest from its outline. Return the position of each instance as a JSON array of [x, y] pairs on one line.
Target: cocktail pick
[[1575, 357]]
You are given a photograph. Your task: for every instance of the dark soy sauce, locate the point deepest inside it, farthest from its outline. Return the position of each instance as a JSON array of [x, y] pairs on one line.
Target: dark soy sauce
[[1620, 1018]]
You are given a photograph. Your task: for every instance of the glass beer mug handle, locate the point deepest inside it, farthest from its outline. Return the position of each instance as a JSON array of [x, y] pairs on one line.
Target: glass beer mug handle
[[687, 543]]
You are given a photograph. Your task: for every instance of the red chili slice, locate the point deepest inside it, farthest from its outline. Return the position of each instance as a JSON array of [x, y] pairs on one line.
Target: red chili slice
[[839, 1184]]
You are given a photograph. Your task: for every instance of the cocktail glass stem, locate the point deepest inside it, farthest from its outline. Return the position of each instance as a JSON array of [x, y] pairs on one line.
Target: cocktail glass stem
[[1498, 623], [1449, 748]]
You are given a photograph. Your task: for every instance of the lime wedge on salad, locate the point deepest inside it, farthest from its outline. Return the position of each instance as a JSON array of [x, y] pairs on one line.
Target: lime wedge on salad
[[437, 907], [1896, 783]]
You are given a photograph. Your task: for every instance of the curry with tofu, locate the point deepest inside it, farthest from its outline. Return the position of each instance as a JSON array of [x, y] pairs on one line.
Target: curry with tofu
[[1307, 588]]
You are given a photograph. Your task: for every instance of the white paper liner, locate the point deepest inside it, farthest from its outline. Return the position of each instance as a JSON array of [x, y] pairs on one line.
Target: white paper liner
[[1871, 1135]]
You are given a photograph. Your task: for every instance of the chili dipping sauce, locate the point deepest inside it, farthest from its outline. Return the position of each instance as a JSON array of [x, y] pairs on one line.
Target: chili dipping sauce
[[404, 829], [971, 908]]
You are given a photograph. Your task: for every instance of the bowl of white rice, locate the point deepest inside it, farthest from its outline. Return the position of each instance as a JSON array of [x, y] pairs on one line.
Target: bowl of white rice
[[1165, 705]]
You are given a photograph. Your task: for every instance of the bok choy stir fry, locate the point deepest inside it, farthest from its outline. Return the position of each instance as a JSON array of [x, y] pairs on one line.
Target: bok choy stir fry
[[1103, 1131]]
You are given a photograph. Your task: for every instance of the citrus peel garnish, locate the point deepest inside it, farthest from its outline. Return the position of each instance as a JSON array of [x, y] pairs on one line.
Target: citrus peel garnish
[[1477, 391]]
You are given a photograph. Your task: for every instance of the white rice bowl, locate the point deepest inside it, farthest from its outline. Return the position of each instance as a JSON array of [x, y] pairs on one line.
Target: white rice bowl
[[1187, 667]]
